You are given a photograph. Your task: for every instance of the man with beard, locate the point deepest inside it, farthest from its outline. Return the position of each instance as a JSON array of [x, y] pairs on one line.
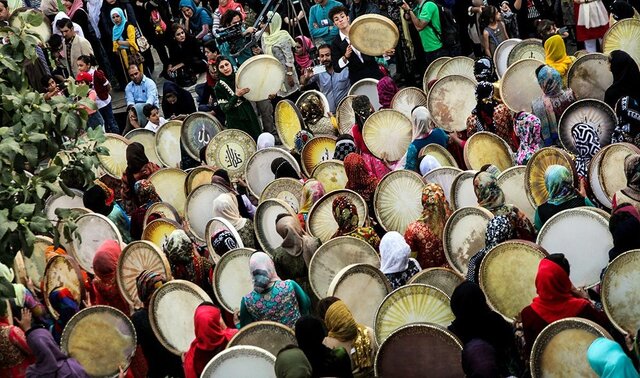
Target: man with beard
[[334, 85]]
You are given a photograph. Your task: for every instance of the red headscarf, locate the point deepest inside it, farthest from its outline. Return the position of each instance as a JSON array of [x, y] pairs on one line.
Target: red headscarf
[[386, 90], [554, 300], [232, 5], [359, 179], [210, 340], [77, 4], [105, 262], [304, 60]]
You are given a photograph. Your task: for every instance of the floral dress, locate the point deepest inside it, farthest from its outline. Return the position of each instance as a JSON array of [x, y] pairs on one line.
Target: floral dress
[[284, 303], [401, 278], [502, 121]]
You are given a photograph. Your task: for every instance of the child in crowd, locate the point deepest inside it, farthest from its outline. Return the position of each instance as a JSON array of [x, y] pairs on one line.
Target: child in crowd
[[95, 118], [153, 116], [88, 63], [494, 31]]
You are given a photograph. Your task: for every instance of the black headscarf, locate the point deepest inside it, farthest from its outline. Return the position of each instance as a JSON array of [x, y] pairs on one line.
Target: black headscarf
[[310, 333], [484, 70], [95, 199], [626, 78], [479, 360], [184, 105], [621, 10], [136, 159], [625, 228], [485, 106], [282, 168], [362, 108]]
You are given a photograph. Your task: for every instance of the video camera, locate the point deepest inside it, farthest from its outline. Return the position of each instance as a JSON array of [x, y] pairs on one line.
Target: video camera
[[229, 34]]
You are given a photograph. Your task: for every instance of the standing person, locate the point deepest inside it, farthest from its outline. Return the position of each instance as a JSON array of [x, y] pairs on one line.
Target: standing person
[[499, 229], [320, 23], [153, 20], [325, 362], [424, 133], [346, 216], [363, 109], [608, 360], [238, 111], [87, 63], [272, 298], [556, 56], [527, 129], [63, 302], [626, 78], [550, 106], [223, 7], [395, 262], [360, 65], [424, 236], [104, 285], [301, 54], [528, 12], [361, 7], [226, 207], [185, 57], [592, 22], [124, 40], [359, 180], [138, 168], [186, 263], [145, 196], [334, 85], [495, 32], [16, 355], [212, 337], [75, 46], [425, 17], [197, 20], [631, 193], [140, 91], [279, 44], [490, 115], [101, 199]]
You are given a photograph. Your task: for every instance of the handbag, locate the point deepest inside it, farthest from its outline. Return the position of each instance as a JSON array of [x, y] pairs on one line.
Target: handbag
[[135, 58], [141, 41]]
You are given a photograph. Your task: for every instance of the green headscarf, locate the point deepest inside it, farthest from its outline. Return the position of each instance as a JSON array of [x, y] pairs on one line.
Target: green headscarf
[[559, 183], [292, 363]]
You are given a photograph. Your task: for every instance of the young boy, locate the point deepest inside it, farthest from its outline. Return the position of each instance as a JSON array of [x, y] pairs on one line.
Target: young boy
[[153, 117]]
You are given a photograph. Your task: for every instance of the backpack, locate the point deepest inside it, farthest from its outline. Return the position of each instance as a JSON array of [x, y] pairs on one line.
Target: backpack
[[101, 85], [449, 35]]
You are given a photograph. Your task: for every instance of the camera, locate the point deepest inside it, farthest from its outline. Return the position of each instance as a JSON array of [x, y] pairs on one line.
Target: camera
[[229, 34]]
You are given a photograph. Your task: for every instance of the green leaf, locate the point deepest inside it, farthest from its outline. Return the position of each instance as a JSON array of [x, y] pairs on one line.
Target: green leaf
[[23, 210], [31, 153], [52, 172], [40, 225]]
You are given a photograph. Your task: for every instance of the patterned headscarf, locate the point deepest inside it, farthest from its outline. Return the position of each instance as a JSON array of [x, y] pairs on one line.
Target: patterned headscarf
[[147, 282], [343, 327], [435, 208], [344, 146], [559, 183], [311, 109], [632, 171], [178, 248], [263, 272], [346, 215], [484, 70], [628, 125], [362, 109], [146, 194], [550, 81], [485, 106], [499, 229], [312, 191], [358, 178], [527, 128], [63, 302], [587, 144], [222, 242], [386, 90], [301, 139], [489, 194]]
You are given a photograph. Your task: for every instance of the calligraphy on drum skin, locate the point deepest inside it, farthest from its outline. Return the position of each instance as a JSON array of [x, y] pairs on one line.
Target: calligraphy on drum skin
[[233, 156], [203, 136]]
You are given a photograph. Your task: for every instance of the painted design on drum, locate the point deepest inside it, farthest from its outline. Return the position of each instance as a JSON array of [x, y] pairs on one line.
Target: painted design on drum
[[331, 174], [232, 155]]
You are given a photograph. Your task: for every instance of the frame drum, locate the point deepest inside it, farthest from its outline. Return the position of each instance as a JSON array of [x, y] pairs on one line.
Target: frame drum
[[157, 231], [262, 74], [199, 209], [590, 76], [321, 222], [387, 133], [136, 257], [623, 36], [537, 166], [93, 230], [366, 87], [512, 182], [373, 34], [331, 174], [168, 144], [147, 138], [463, 193], [169, 184], [464, 236], [444, 279], [315, 151], [592, 112], [197, 131], [115, 163], [63, 271], [268, 335], [531, 48], [431, 73], [519, 86], [288, 122], [398, 200], [451, 100], [408, 99], [231, 149], [242, 361], [501, 55], [163, 209], [459, 65], [483, 148], [285, 189], [620, 291], [232, 279], [258, 172], [265, 223], [443, 176]]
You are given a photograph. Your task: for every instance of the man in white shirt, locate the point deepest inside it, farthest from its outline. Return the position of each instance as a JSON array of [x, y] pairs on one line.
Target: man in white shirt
[[153, 116]]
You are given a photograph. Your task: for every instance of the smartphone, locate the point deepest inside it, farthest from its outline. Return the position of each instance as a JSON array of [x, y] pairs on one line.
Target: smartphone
[[563, 30], [319, 69]]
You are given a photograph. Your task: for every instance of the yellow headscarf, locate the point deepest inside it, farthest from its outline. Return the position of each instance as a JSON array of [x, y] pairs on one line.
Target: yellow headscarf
[[276, 36], [556, 56], [342, 326]]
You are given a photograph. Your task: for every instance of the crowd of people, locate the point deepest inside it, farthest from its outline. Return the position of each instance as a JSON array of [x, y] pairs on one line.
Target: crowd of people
[[201, 45]]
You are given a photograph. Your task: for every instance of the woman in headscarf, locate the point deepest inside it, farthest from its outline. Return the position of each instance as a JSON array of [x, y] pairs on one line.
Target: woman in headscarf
[[226, 206], [562, 195], [325, 362], [266, 140], [631, 193], [16, 355], [428, 164], [346, 215], [476, 321], [387, 88], [238, 111], [527, 128], [145, 196], [344, 146], [491, 197], [223, 7], [292, 363], [550, 106], [557, 299], [279, 44], [132, 122], [176, 101], [312, 191], [363, 109], [302, 48], [161, 361], [186, 59], [608, 360], [186, 263], [587, 144], [490, 115], [424, 236], [424, 133], [315, 118], [101, 199], [247, 209], [394, 259], [628, 125], [499, 229], [212, 337], [138, 168], [345, 332], [556, 56], [124, 39], [272, 298], [292, 257], [197, 20], [50, 361], [21, 296], [281, 167], [624, 226], [479, 359], [484, 70], [222, 242], [65, 305], [105, 286], [359, 180], [626, 78]]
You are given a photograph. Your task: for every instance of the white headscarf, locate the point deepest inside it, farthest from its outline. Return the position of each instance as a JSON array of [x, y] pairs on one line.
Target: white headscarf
[[422, 123], [266, 140], [394, 253], [428, 164], [62, 16], [226, 206]]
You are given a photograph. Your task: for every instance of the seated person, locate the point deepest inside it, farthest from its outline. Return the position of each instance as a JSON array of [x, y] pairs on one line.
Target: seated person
[[153, 116]]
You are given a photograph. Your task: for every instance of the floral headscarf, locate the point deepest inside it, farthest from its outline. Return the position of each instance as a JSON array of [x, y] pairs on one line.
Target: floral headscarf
[[435, 209], [527, 128], [145, 192], [312, 191], [147, 282], [559, 183], [489, 194], [346, 215], [587, 143], [359, 179], [178, 248], [499, 229], [550, 81]]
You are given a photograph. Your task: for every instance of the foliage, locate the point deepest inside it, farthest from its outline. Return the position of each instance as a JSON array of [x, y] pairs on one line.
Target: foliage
[[32, 133]]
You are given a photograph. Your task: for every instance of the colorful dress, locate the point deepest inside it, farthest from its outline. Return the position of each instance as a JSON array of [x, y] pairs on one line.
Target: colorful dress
[[284, 303], [15, 353], [527, 129], [550, 106], [346, 215], [401, 278], [490, 115]]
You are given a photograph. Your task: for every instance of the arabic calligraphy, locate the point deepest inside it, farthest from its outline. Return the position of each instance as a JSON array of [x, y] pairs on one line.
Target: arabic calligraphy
[[232, 158], [203, 136]]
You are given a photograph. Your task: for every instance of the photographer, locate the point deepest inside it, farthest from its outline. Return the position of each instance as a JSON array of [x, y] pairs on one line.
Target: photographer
[[234, 39], [425, 17]]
